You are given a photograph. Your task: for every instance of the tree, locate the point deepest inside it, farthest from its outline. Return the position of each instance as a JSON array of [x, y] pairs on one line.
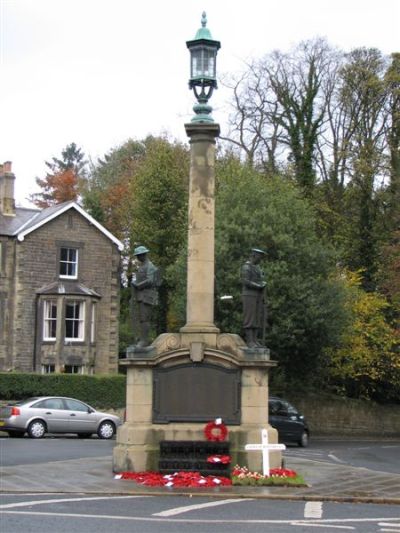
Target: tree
[[296, 80], [366, 365], [392, 131], [139, 192], [305, 298], [57, 188], [279, 109], [107, 194], [364, 96], [253, 125], [64, 182], [159, 197], [389, 275], [72, 158]]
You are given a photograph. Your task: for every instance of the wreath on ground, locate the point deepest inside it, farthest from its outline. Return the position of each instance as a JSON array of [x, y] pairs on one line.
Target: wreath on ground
[[281, 477]]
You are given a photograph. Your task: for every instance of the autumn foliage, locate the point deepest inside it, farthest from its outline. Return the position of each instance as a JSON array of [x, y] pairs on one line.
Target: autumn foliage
[[64, 179], [57, 188]]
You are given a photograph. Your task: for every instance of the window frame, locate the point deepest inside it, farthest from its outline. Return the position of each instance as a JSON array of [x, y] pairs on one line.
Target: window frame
[[48, 368], [47, 320], [93, 316], [75, 369], [68, 262], [80, 320]]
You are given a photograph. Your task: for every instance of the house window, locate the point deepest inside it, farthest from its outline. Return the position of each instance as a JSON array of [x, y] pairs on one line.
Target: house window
[[49, 320], [68, 263], [93, 324], [48, 369], [73, 369], [74, 320]]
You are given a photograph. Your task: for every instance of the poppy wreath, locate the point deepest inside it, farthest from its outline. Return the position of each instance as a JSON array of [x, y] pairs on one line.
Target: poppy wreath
[[223, 459], [215, 432]]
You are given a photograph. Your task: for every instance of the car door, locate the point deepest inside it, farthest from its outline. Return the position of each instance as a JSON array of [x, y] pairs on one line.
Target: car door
[[52, 410], [82, 419], [282, 420]]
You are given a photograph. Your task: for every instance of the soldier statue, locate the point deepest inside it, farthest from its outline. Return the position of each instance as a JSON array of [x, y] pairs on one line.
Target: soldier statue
[[253, 299], [145, 293]]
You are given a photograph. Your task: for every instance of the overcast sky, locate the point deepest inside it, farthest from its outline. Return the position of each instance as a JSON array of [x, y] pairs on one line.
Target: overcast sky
[[97, 72]]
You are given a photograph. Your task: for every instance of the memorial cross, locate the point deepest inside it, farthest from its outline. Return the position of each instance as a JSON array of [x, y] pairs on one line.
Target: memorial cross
[[265, 448]]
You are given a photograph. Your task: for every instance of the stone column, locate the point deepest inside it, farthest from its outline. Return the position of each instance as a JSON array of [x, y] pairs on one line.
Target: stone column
[[200, 266]]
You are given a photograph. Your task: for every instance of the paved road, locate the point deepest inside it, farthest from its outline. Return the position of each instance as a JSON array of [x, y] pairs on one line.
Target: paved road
[[41, 493], [377, 455], [182, 514], [328, 477], [28, 451]]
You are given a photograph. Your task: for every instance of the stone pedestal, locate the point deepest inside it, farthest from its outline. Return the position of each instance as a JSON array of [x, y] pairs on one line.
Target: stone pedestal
[[138, 439]]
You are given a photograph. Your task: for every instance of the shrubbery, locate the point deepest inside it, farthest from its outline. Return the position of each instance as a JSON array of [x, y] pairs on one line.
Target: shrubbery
[[98, 391]]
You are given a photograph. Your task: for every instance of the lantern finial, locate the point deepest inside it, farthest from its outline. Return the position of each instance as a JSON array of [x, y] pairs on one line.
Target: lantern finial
[[203, 75]]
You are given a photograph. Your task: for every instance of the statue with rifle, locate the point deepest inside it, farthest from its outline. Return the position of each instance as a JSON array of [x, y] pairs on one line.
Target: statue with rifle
[[144, 293], [254, 300]]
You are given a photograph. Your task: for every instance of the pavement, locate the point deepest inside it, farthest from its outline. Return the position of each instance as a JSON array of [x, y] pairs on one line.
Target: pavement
[[325, 482]]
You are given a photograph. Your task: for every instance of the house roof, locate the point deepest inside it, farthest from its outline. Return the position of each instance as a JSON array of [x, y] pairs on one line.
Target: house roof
[[68, 287], [10, 225], [28, 220]]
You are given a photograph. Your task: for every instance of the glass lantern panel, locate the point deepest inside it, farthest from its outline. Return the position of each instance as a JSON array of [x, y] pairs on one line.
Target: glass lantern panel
[[196, 63], [203, 63], [208, 63]]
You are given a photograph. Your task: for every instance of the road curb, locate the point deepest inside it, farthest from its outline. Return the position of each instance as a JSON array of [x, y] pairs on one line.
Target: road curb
[[196, 493]]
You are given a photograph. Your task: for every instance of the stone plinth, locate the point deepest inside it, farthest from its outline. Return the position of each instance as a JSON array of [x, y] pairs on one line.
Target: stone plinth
[[138, 439]]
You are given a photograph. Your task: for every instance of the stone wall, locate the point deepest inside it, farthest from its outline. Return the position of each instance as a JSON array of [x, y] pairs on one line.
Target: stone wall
[[7, 268], [346, 417]]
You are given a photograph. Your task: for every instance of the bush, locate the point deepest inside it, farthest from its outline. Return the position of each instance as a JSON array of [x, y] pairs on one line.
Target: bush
[[99, 391]]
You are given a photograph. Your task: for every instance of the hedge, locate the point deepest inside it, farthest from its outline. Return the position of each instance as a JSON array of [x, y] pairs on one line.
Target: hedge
[[99, 391]]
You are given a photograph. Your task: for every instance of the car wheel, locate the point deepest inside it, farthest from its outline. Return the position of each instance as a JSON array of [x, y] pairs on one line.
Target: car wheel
[[84, 435], [303, 442], [36, 429], [106, 430], [16, 434]]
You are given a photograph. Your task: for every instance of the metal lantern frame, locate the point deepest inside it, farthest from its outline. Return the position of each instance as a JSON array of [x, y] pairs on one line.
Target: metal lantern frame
[[203, 70]]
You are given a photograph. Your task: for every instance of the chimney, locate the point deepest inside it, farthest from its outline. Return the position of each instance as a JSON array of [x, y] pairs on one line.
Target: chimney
[[7, 201]]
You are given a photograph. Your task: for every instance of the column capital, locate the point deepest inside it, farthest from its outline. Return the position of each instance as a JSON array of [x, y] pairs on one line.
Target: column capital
[[202, 132]]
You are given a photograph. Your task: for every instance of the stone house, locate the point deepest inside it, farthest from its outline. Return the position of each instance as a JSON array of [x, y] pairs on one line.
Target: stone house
[[59, 288]]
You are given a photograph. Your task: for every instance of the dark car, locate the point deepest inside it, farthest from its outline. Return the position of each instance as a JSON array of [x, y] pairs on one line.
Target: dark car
[[50, 414], [290, 424]]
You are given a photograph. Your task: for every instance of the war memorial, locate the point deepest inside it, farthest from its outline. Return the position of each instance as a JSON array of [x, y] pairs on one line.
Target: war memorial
[[201, 381]]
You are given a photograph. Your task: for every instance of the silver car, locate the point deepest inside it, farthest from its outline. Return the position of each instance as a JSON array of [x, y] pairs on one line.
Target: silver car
[[51, 414]]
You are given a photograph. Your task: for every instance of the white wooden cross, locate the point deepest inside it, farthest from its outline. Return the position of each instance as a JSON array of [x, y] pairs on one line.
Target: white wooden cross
[[265, 448]]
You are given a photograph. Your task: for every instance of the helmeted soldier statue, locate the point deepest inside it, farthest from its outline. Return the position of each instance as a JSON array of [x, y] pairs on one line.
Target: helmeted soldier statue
[[253, 299], [145, 292]]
